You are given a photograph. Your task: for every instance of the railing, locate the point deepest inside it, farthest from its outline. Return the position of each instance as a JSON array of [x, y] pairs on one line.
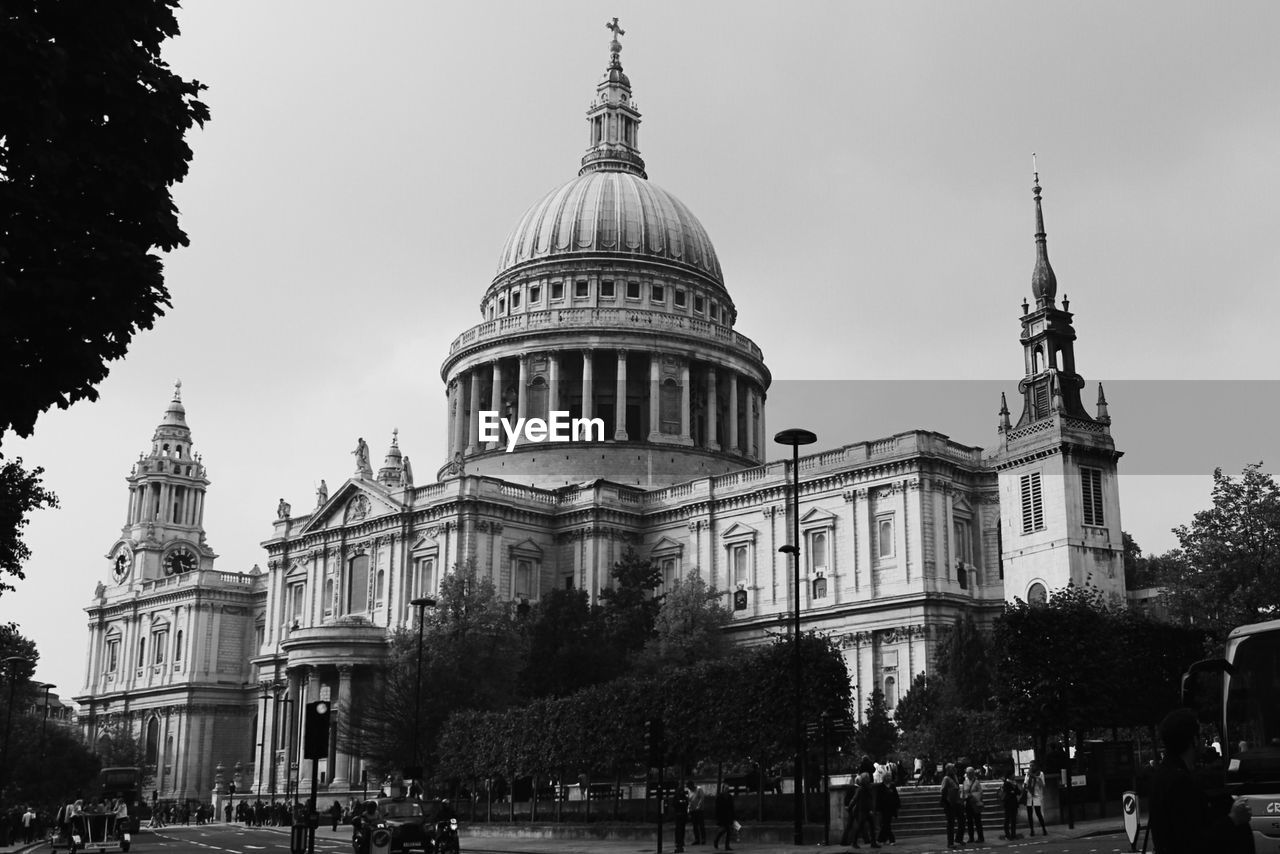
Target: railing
[[604, 318]]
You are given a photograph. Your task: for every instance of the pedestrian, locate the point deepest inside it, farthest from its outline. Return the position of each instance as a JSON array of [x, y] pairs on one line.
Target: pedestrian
[[29, 825], [1183, 821], [973, 805], [888, 804], [1010, 795], [1033, 785], [864, 805], [950, 800], [725, 818], [697, 812], [680, 804], [335, 813]]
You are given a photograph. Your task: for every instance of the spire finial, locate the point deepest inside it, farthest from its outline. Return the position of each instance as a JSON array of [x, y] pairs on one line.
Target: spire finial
[[177, 390], [395, 437], [1044, 284], [1004, 415], [615, 46]]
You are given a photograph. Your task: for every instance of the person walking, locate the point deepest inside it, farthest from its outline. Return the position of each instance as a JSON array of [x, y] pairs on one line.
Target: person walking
[[335, 814], [1010, 793], [724, 818], [1033, 785], [29, 825], [681, 807], [697, 812], [864, 806], [1183, 820], [950, 801], [888, 803], [973, 805]]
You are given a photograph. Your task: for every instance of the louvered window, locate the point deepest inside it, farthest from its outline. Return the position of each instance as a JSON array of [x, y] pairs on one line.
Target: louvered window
[[1091, 487], [1042, 400], [1032, 503]]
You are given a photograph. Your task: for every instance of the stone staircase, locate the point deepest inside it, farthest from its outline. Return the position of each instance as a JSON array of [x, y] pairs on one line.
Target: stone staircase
[[920, 814]]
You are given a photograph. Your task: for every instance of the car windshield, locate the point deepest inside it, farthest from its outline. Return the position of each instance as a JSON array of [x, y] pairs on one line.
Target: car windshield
[[400, 809]]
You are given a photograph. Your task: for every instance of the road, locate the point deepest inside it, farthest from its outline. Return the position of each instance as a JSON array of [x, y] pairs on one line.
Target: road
[[234, 839]]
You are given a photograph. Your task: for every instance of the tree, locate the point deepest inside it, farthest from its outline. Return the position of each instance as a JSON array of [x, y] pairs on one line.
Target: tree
[[566, 650], [964, 667], [689, 626], [20, 493], [877, 735], [1229, 573], [92, 140], [630, 608]]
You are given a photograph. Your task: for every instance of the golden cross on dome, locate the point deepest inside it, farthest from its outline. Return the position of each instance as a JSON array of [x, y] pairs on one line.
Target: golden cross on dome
[[617, 30]]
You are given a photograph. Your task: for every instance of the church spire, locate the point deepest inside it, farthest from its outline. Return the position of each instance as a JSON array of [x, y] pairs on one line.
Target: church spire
[[1044, 284], [614, 121]]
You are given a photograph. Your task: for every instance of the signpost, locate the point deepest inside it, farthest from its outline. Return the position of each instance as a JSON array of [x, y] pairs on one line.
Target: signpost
[[1129, 810]]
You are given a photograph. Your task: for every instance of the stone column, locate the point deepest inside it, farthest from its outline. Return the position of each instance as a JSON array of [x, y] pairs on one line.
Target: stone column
[[473, 427], [753, 443], [553, 382], [457, 403], [686, 422], [655, 396], [522, 393], [313, 694], [495, 396], [588, 384], [733, 411], [713, 407], [342, 760], [620, 399]]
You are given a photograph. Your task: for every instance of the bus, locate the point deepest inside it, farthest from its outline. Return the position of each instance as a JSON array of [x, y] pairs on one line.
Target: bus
[[123, 782], [1241, 694]]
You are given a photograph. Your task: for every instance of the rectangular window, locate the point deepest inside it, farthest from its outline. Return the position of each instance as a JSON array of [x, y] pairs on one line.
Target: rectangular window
[[524, 579], [557, 290], [535, 293], [633, 290], [741, 566], [681, 298], [606, 290], [1091, 486], [699, 305], [884, 537], [177, 646], [1032, 503], [159, 640], [818, 551], [502, 305], [715, 311], [658, 293], [296, 595], [581, 289], [668, 573], [515, 299], [113, 656], [142, 651]]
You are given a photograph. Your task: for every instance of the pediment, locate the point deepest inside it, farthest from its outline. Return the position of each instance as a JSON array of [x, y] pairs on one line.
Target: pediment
[[424, 543], [818, 516], [739, 531], [960, 505], [666, 546], [354, 502], [527, 547]]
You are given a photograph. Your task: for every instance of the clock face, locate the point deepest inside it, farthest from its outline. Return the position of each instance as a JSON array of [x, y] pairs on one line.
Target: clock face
[[180, 560], [122, 564]]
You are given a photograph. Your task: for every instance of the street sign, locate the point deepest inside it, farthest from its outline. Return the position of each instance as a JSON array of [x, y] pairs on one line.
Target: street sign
[[1129, 810], [1078, 780]]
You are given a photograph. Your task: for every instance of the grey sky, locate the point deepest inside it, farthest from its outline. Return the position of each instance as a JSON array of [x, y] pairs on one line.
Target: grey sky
[[864, 170]]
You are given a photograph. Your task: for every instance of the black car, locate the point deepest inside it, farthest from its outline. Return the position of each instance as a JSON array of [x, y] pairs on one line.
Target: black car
[[402, 821]]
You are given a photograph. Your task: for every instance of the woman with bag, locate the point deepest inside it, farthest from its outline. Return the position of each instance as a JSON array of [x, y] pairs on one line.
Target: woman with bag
[[973, 805], [1034, 787]]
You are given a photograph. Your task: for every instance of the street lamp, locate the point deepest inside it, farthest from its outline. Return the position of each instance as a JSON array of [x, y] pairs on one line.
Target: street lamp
[[795, 437], [421, 604], [44, 724], [11, 665]]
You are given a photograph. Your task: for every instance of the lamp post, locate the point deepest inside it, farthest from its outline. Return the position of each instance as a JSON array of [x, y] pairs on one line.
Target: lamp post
[[421, 603], [795, 437], [11, 665], [44, 724], [262, 745]]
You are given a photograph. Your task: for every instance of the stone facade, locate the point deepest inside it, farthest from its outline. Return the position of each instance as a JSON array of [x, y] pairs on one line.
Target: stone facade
[[608, 302]]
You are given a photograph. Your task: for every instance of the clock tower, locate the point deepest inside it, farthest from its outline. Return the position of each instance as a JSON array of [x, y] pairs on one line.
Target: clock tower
[[163, 534]]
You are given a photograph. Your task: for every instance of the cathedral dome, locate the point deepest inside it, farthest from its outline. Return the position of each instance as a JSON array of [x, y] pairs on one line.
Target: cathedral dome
[[618, 214]]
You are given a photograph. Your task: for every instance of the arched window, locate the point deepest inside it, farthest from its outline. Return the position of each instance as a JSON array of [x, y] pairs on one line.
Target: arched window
[[177, 646], [890, 692], [153, 742], [379, 586], [328, 596], [1037, 595]]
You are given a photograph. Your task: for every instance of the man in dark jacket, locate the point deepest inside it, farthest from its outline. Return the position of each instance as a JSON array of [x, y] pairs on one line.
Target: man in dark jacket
[[1182, 819]]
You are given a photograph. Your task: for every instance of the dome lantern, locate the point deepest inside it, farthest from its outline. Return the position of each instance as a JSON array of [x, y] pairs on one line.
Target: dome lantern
[[613, 119]]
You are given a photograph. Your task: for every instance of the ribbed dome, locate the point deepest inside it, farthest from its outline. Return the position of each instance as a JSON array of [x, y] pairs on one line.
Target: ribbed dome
[[612, 213]]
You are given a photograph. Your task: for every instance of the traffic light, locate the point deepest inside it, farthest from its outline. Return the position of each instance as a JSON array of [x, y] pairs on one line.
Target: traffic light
[[315, 740], [654, 742], [739, 600]]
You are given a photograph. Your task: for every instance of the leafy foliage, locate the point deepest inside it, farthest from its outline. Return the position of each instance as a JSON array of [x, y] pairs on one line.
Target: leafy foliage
[[566, 648], [877, 735], [1229, 571], [630, 608], [93, 138], [689, 625], [20, 493]]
